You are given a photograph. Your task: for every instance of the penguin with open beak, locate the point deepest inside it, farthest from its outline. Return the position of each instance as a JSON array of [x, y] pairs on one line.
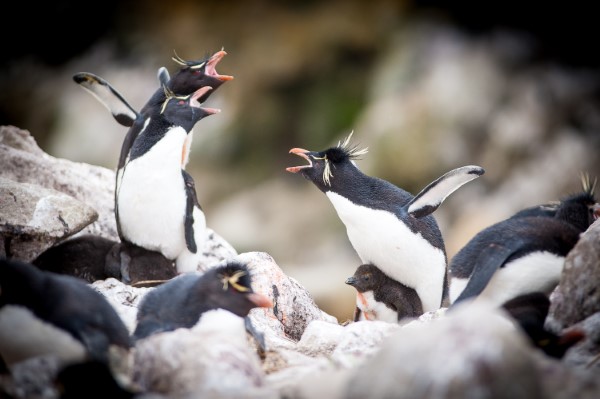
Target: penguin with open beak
[[379, 297], [180, 302], [190, 77], [156, 202], [524, 253], [43, 313], [388, 226]]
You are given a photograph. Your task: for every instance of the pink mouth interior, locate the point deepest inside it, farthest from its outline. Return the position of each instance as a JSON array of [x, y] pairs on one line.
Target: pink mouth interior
[[211, 66]]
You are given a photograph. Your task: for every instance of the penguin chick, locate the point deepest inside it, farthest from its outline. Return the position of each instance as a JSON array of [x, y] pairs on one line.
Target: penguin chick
[[388, 226], [190, 77], [380, 297], [521, 254], [156, 205], [529, 311], [42, 313], [180, 302], [93, 258]]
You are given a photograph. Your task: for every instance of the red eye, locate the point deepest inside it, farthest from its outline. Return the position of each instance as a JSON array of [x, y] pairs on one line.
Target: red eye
[[196, 72], [181, 102]]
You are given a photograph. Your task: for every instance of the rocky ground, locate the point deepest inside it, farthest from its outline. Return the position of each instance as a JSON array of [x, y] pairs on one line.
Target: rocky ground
[[296, 349]]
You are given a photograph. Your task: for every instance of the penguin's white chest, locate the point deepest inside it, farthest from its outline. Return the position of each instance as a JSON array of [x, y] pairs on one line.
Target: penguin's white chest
[[536, 272], [382, 239], [152, 198], [374, 310], [22, 335]]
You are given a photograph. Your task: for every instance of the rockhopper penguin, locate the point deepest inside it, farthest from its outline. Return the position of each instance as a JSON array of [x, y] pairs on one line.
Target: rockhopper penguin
[[380, 297], [156, 205], [180, 302], [192, 76], [388, 226], [524, 253], [42, 313]]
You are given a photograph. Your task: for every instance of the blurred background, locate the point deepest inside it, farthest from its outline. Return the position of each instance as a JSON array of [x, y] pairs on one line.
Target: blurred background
[[427, 86]]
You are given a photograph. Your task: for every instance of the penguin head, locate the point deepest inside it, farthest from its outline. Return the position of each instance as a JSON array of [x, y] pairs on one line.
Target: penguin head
[[196, 74], [366, 278], [581, 209], [185, 110], [324, 166], [230, 289]]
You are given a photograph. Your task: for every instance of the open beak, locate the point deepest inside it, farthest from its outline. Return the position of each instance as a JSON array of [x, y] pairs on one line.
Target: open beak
[[301, 153], [211, 66], [596, 211], [260, 300], [195, 102]]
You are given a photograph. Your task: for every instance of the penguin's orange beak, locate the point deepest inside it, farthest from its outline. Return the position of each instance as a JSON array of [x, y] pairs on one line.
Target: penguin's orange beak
[[211, 66], [260, 300], [301, 153]]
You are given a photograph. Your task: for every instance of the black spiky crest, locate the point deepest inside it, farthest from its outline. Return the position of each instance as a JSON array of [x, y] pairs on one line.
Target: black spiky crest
[[189, 64], [235, 274], [344, 150]]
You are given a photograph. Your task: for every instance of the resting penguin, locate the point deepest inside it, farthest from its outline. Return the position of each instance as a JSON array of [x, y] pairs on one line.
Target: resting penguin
[[42, 313], [523, 253], [156, 204], [180, 302], [388, 226], [380, 297], [92, 258]]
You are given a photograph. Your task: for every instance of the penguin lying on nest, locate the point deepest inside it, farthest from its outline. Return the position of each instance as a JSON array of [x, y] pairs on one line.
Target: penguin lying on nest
[[524, 253], [43, 313], [387, 226], [180, 302], [92, 258]]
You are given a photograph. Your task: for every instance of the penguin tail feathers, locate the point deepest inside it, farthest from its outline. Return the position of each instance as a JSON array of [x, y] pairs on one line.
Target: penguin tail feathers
[[432, 196]]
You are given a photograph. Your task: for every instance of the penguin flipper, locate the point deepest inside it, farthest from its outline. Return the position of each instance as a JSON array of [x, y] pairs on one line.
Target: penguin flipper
[[488, 261], [163, 76], [191, 203], [432, 196], [120, 109]]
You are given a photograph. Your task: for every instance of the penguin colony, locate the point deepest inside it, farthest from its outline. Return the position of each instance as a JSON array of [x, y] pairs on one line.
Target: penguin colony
[[404, 273]]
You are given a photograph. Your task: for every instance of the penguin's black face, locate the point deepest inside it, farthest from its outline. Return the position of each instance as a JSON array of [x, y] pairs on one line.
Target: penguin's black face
[[186, 110], [196, 74], [233, 291], [366, 278], [323, 166], [581, 210]]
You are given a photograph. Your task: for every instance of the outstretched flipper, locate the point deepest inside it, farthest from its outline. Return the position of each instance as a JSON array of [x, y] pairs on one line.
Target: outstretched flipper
[[120, 109], [432, 196], [488, 261]]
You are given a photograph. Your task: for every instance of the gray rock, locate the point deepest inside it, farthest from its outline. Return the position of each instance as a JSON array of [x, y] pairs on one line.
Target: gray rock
[[293, 306], [586, 354], [577, 296], [33, 218], [472, 352], [23, 161], [212, 359]]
